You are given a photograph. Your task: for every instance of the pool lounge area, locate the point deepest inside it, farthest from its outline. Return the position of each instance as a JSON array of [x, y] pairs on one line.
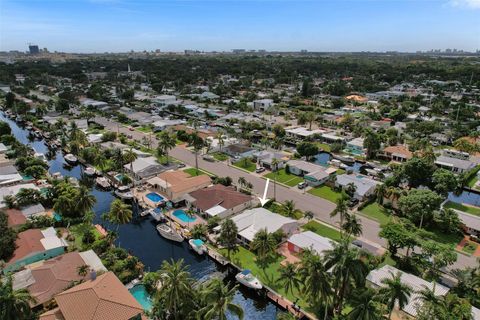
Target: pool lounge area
[[184, 219], [140, 294], [154, 197]]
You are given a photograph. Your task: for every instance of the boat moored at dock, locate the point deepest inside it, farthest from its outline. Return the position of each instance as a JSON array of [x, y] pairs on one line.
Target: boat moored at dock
[[169, 233], [247, 279]]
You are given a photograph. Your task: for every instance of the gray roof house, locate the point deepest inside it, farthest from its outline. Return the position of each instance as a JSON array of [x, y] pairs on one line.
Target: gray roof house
[[143, 168], [364, 185], [265, 158], [454, 164]]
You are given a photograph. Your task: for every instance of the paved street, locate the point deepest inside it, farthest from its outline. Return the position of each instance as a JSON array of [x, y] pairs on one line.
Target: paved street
[[305, 202]]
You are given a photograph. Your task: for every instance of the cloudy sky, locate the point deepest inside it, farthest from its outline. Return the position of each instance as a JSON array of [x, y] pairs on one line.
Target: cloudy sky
[[175, 25]]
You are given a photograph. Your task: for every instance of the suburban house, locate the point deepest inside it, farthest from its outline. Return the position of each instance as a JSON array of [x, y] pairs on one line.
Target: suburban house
[[238, 150], [163, 124], [456, 165], [175, 184], [355, 146], [53, 276], [308, 240], [251, 221], [265, 159], [332, 138], [364, 186], [9, 176], [144, 168], [262, 104], [13, 190], [398, 153], [124, 148], [218, 200], [34, 245], [33, 210], [375, 277], [302, 133], [3, 148], [15, 218], [314, 174], [103, 297], [164, 100]]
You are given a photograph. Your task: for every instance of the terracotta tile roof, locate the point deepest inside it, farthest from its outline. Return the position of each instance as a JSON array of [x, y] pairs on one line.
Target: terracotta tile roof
[[28, 242], [105, 298], [54, 314], [218, 194], [15, 217], [54, 276], [399, 150], [181, 181]]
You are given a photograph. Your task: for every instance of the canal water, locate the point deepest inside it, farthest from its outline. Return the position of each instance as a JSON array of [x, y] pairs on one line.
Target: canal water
[[141, 238]]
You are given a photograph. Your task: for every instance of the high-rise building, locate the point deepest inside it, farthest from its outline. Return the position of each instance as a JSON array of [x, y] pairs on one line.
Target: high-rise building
[[33, 48]]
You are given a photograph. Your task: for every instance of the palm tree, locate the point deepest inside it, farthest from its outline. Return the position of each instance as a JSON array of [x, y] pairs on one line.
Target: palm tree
[[352, 226], [129, 157], [84, 201], [341, 209], [242, 181], [176, 288], [288, 278], [219, 300], [197, 142], [275, 163], [10, 201], [289, 209], [82, 270], [221, 141], [429, 300], [228, 236], [15, 304], [263, 243], [166, 142], [199, 231], [118, 159], [395, 292], [120, 213], [309, 215], [365, 306]]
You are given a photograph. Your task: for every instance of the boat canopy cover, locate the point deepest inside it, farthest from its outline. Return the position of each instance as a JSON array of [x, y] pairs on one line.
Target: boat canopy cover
[[246, 271], [198, 242]]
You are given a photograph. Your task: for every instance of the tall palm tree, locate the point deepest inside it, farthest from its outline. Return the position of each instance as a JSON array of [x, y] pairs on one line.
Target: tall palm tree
[[352, 226], [365, 306], [289, 209], [120, 213], [14, 304], [242, 181], [129, 157], [221, 140], [176, 288], [219, 300], [430, 301], [197, 142], [118, 159], [263, 243], [395, 292], [341, 209], [84, 200], [275, 163], [289, 278], [166, 142]]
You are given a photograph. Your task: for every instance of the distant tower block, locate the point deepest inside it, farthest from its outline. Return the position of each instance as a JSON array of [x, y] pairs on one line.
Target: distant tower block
[[33, 49]]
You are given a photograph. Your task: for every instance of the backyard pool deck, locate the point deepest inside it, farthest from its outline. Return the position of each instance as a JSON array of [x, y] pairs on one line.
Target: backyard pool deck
[[141, 195], [183, 224]]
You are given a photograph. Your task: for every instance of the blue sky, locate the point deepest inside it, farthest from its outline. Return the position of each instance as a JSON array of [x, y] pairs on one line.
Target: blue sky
[[175, 25]]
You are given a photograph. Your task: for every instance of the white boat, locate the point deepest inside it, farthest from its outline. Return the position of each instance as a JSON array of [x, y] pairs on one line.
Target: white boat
[[248, 280], [168, 233], [70, 158], [89, 171], [37, 134], [198, 246], [103, 182], [157, 214], [40, 156], [124, 192], [57, 176]]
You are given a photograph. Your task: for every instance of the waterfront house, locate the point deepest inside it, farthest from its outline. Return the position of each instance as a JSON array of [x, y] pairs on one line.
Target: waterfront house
[[55, 275], [355, 146], [4, 161], [13, 190], [456, 165], [375, 277], [15, 218], [265, 158], [302, 133], [34, 245], [103, 297], [33, 210], [144, 168], [398, 153], [299, 242], [332, 138], [9, 175], [123, 147], [175, 184], [364, 186], [218, 200], [251, 221], [314, 174]]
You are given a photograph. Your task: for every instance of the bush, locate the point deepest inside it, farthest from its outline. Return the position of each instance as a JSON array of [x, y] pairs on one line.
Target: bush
[[88, 237]]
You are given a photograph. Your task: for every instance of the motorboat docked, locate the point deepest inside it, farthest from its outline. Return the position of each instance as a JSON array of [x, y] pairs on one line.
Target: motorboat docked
[[157, 214], [169, 233], [40, 156], [102, 182], [89, 171], [124, 192], [70, 158], [198, 246], [37, 134], [345, 159], [57, 176], [248, 280]]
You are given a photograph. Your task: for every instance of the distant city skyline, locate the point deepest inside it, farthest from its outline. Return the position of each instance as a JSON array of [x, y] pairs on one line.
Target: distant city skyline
[[87, 26]]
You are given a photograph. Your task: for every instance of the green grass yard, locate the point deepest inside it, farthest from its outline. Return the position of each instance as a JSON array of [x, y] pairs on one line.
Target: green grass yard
[[145, 129], [78, 231], [326, 193], [470, 248], [220, 156], [193, 172], [461, 207], [323, 230], [324, 147], [376, 212], [245, 164], [285, 178]]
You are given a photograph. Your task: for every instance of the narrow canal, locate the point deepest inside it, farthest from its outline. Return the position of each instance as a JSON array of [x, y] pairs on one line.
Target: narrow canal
[[140, 236]]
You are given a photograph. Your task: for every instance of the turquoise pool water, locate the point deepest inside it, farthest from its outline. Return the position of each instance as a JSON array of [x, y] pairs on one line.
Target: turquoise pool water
[[182, 215], [154, 197], [119, 177], [140, 294]]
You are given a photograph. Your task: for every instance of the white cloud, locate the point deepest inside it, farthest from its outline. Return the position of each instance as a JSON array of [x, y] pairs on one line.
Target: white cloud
[[472, 4]]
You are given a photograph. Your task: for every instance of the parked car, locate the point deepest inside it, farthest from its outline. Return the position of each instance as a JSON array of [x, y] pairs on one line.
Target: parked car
[[181, 165], [260, 170], [353, 202], [208, 157], [131, 128], [302, 185]]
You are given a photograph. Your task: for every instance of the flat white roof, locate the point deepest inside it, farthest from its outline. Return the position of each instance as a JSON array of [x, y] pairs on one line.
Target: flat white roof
[[215, 211], [311, 240]]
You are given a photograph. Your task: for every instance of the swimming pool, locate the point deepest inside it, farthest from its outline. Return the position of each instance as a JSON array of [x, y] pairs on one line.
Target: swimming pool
[[119, 177], [182, 215], [154, 197], [140, 294]]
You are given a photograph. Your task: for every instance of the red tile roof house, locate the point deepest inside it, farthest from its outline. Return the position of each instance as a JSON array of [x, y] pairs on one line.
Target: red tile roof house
[[15, 218], [34, 245], [54, 276], [102, 298], [218, 200]]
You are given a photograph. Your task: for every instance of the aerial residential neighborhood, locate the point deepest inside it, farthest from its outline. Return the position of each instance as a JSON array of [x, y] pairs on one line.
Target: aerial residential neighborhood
[[239, 183]]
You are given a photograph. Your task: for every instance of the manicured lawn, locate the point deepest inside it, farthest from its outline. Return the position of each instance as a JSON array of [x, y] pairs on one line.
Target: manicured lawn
[[376, 212], [470, 248], [145, 129], [285, 178], [269, 275], [78, 231], [323, 230], [326, 193], [220, 156], [464, 208], [193, 172], [388, 260], [245, 164], [325, 147], [278, 208], [445, 238]]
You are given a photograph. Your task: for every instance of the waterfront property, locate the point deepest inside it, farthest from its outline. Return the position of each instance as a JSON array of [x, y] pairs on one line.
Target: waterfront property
[[455, 165], [140, 294], [34, 245], [251, 221], [13, 190], [103, 297], [364, 186], [175, 184], [218, 200], [398, 153], [144, 168], [297, 243]]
